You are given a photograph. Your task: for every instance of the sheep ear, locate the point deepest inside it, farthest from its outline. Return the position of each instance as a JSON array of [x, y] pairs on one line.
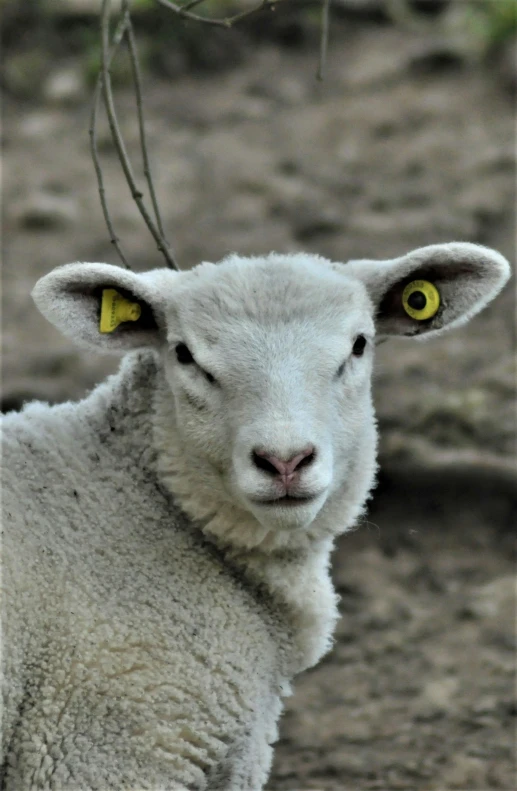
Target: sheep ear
[[465, 278], [71, 297]]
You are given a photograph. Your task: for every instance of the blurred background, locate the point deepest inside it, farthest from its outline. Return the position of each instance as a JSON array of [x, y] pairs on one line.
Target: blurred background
[[409, 140]]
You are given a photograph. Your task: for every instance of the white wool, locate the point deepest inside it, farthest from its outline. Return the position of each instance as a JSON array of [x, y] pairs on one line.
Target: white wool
[[159, 598], [129, 642]]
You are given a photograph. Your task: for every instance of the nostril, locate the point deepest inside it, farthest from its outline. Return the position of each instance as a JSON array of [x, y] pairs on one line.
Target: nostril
[[263, 464], [307, 460], [274, 465]]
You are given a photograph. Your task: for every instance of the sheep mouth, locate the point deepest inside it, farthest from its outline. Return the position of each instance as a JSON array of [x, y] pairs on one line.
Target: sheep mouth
[[288, 500]]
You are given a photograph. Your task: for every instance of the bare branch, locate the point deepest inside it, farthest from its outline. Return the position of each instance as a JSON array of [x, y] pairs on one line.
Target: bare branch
[[260, 7], [137, 79], [124, 29], [226, 22], [192, 4], [117, 136], [176, 9], [117, 38], [324, 38]]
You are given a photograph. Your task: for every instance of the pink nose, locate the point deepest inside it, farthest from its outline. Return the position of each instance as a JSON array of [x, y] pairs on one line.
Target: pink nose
[[286, 468]]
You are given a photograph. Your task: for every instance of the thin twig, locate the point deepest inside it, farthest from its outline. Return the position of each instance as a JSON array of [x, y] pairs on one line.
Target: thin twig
[[192, 4], [136, 194], [194, 17], [271, 4], [226, 22], [103, 89], [324, 38], [137, 80], [117, 38]]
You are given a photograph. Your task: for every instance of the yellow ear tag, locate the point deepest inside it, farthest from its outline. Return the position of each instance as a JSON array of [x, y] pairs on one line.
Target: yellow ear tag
[[115, 309], [421, 300]]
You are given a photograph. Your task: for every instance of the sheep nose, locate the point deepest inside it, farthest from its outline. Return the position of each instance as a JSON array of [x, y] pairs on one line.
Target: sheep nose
[[286, 468]]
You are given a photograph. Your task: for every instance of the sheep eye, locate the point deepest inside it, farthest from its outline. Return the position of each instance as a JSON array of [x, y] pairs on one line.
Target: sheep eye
[[359, 346], [183, 354], [185, 357]]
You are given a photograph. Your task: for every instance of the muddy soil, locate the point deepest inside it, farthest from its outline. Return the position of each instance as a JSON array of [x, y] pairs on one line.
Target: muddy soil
[[397, 149]]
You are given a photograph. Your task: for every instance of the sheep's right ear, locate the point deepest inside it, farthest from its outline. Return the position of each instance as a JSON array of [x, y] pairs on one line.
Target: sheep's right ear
[[71, 298], [456, 280]]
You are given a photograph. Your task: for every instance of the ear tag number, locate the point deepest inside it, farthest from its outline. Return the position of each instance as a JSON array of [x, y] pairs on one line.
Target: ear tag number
[[421, 300], [115, 309]]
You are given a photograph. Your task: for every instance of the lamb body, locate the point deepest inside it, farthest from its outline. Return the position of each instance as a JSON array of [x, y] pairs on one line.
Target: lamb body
[[159, 596], [127, 673]]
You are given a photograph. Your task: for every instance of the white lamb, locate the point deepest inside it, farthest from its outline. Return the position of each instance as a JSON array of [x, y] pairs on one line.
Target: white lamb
[[167, 539]]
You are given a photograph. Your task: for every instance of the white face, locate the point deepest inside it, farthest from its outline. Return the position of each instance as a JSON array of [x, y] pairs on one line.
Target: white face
[[270, 367]]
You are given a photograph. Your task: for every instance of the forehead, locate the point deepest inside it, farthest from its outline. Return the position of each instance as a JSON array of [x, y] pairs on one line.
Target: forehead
[[270, 293]]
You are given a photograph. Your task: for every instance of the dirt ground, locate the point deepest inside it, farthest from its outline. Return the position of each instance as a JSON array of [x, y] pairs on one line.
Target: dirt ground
[[398, 148]]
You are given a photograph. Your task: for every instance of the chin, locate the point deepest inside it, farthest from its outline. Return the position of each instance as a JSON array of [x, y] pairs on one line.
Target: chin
[[287, 513]]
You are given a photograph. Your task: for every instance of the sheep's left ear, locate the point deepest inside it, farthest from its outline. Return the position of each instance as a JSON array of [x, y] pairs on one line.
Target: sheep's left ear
[[453, 282]]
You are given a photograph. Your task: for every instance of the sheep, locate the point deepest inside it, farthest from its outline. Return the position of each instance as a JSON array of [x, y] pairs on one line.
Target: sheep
[[167, 539]]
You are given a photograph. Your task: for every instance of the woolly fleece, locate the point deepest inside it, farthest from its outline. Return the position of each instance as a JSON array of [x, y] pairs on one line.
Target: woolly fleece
[[129, 641]]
